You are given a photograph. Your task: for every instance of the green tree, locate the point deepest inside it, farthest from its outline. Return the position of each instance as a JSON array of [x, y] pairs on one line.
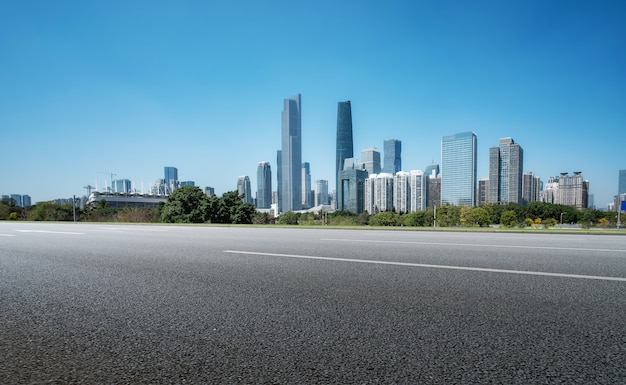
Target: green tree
[[481, 216], [508, 218], [288, 218], [448, 215], [385, 218], [187, 204]]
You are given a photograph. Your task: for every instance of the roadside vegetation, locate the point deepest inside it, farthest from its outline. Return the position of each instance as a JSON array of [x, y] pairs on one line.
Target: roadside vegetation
[[188, 204]]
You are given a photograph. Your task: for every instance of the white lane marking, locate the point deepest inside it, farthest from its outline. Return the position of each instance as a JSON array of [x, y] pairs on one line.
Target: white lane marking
[[7, 235], [49, 232], [466, 268], [474, 245], [131, 228]]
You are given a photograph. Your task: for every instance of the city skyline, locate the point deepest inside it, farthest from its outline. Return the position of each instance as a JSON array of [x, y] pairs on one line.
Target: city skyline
[[130, 88]]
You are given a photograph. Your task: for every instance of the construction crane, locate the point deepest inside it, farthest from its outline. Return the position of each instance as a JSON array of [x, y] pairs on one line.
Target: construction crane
[[89, 188], [112, 175]]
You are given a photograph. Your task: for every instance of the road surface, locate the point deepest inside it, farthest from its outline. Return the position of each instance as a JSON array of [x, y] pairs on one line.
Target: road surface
[[153, 304]]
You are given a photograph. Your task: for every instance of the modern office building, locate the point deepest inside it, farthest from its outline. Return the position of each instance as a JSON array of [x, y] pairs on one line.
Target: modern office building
[[621, 185], [531, 186], [378, 193], [402, 192], [243, 188], [506, 163], [458, 169], [264, 186], [171, 179], [483, 192], [351, 187], [393, 156], [344, 146], [187, 183], [210, 191], [321, 192], [279, 181], [291, 154], [370, 158], [307, 192], [419, 190], [122, 186], [432, 170]]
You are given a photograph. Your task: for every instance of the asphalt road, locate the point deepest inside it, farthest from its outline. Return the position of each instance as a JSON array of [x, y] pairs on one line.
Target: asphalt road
[[124, 304]]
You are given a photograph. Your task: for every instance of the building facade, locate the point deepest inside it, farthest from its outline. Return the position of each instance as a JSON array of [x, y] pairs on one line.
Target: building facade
[[506, 164], [402, 192], [458, 169], [321, 192], [572, 190], [393, 156], [483, 192], [344, 147], [531, 186], [370, 158], [350, 191], [307, 192], [419, 188], [291, 154], [621, 184], [171, 179], [378, 193], [264, 186], [243, 188]]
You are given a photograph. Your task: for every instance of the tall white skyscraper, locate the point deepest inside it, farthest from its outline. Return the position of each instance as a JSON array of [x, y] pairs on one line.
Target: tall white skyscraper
[[418, 189], [458, 169], [378, 191], [370, 157]]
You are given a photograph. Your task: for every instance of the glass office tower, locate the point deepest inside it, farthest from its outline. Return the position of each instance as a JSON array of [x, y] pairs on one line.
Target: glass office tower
[[264, 186], [458, 169], [243, 188], [393, 156], [291, 184], [344, 145], [506, 164], [171, 179], [370, 158]]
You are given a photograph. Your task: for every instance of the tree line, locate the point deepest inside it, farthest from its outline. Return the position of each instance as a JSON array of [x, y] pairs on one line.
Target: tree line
[[189, 204]]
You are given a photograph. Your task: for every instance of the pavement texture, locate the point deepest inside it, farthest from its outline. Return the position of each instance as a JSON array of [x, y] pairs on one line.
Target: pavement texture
[[124, 304]]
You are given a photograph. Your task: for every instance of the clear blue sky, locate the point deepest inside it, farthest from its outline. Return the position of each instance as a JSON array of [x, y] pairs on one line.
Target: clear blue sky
[[132, 86]]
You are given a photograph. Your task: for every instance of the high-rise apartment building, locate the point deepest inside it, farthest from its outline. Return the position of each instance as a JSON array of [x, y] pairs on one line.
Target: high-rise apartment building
[[351, 187], [418, 190], [370, 158], [393, 156], [402, 192], [433, 188], [458, 169], [291, 154], [344, 145], [378, 193], [531, 186], [243, 188], [307, 195], [264, 186], [171, 179], [572, 190], [506, 164]]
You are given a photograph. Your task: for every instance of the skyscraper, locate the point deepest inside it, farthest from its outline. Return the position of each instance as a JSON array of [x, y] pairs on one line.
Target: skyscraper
[[307, 195], [458, 169], [171, 179], [122, 186], [621, 185], [264, 186], [321, 192], [243, 188], [378, 193], [351, 187], [344, 145], [506, 163], [279, 180], [291, 184], [418, 190], [531, 185], [370, 157], [393, 156]]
